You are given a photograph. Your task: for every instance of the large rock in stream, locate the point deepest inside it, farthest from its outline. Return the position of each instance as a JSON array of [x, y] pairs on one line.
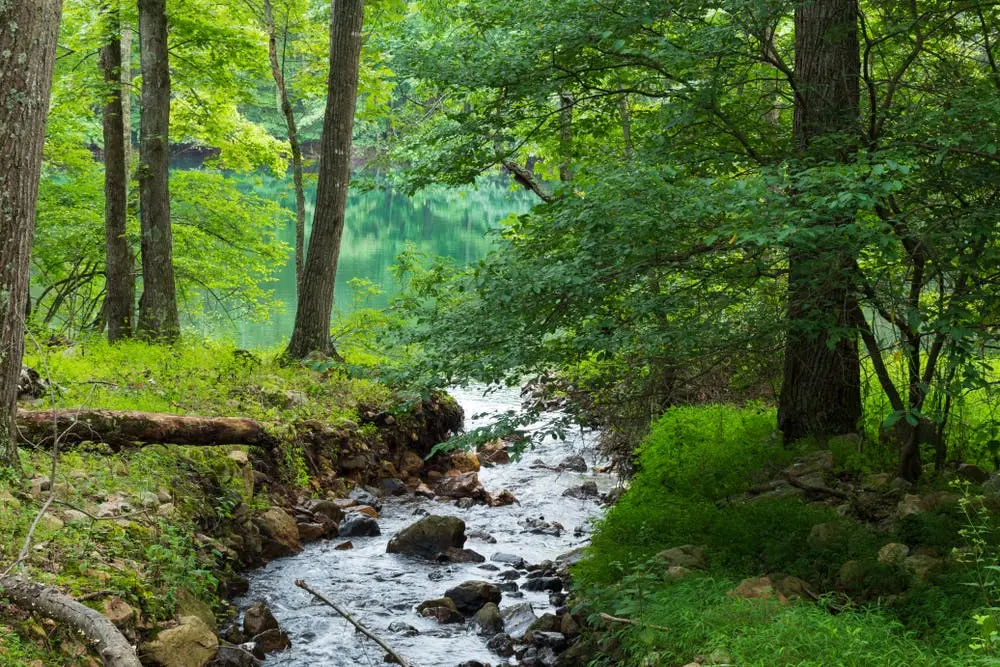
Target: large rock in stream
[[429, 537], [470, 596]]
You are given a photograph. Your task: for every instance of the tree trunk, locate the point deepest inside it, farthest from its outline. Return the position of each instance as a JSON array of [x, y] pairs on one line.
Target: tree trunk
[[315, 302], [119, 308], [28, 38], [126, 60], [122, 430], [158, 318], [821, 392], [285, 105], [113, 648]]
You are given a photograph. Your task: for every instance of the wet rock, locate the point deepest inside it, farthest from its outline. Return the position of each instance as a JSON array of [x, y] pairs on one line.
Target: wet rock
[[510, 575], [551, 584], [473, 663], [554, 640], [489, 567], [509, 559], [453, 555], [258, 618], [327, 508], [688, 555], [500, 498], [344, 546], [501, 644], [488, 620], [507, 586], [573, 463], [893, 553], [587, 490], [411, 464], [364, 496], [311, 531], [272, 641], [568, 626], [359, 525], [973, 473], [470, 596], [517, 619], [392, 487], [465, 503], [494, 452], [463, 485], [540, 526], [429, 537], [464, 461], [404, 629], [279, 534], [442, 609], [481, 535], [234, 656], [190, 644], [423, 491], [572, 557], [557, 599]]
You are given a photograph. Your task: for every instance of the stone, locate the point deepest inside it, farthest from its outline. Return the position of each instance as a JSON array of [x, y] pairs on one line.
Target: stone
[[688, 555], [568, 626], [328, 508], [555, 640], [392, 486], [827, 536], [482, 535], [501, 644], [893, 553], [939, 500], [311, 531], [518, 619], [344, 546], [816, 463], [234, 656], [510, 559], [877, 481], [470, 596], [189, 644], [494, 452], [272, 641], [189, 604], [364, 509], [118, 612], [462, 485], [488, 620], [573, 556], [359, 525], [973, 473], [551, 584], [757, 588], [500, 498], [910, 504], [677, 572], [258, 618], [573, 463], [279, 533], [586, 491], [442, 609], [464, 461], [793, 588], [922, 565], [365, 497], [404, 629], [465, 503], [852, 573], [114, 505], [429, 537], [453, 555]]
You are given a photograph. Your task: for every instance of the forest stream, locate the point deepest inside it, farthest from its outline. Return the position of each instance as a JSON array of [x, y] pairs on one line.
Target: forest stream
[[382, 589]]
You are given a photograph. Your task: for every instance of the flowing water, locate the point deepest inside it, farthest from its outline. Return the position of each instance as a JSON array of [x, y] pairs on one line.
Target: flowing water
[[379, 588]]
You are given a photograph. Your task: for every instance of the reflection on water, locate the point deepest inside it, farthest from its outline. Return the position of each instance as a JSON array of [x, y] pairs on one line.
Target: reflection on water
[[450, 222]]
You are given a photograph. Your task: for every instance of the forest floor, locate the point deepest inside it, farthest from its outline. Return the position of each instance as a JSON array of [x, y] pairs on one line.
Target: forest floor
[[731, 549]]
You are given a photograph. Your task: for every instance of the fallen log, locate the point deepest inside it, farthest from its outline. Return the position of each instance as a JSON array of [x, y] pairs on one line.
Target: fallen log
[[113, 648], [121, 430]]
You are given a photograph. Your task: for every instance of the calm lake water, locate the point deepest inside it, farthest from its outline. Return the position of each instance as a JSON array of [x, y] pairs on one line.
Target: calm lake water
[[450, 222]]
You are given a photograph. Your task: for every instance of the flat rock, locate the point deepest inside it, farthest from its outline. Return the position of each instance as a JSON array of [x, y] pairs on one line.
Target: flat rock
[[429, 537], [189, 644], [573, 463], [462, 485], [470, 596], [517, 619], [509, 559], [279, 533], [234, 656], [688, 555], [357, 524], [488, 620]]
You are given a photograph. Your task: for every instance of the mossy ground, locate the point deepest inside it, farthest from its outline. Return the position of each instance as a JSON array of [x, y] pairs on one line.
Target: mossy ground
[[691, 471], [158, 551]]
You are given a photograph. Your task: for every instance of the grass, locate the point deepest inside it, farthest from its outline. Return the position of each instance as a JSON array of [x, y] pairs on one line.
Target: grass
[[692, 469]]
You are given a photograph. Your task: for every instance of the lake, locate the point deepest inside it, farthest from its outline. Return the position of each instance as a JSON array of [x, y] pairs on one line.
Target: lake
[[450, 222]]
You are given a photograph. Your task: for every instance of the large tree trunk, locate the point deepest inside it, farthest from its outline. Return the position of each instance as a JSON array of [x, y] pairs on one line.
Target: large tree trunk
[[28, 40], [285, 105], [119, 303], [113, 648], [122, 430], [821, 392], [315, 302], [158, 318]]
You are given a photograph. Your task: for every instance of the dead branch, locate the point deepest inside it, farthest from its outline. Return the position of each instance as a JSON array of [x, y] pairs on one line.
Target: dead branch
[[357, 625], [822, 490], [618, 619]]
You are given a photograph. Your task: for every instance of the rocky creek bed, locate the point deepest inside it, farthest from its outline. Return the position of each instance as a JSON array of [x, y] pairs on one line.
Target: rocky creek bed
[[555, 505]]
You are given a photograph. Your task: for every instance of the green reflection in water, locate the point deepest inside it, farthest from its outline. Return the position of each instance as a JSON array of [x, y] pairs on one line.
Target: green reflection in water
[[450, 222]]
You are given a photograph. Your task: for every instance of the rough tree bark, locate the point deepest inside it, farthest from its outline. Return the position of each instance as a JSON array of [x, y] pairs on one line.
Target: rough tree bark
[[113, 648], [315, 303], [285, 105], [28, 42], [122, 430], [821, 392], [158, 318], [119, 304]]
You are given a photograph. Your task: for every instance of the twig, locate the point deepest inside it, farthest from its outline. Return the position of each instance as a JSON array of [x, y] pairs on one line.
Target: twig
[[808, 488], [360, 628], [96, 594], [618, 619]]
